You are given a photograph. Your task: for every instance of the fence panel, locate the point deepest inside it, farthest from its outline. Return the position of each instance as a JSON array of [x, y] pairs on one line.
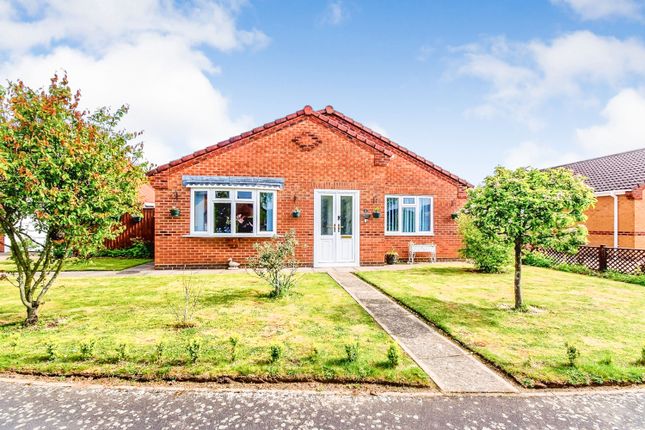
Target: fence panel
[[143, 228], [624, 260]]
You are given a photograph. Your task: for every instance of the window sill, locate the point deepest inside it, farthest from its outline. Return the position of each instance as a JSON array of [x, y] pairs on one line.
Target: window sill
[[229, 236]]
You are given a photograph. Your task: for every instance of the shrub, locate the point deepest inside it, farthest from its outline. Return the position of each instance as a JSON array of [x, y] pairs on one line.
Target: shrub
[[393, 356], [537, 259], [351, 352], [276, 263], [572, 354], [233, 341], [642, 359], [193, 348], [489, 255], [276, 353], [121, 352], [139, 249], [159, 351], [87, 349], [607, 360], [50, 351]]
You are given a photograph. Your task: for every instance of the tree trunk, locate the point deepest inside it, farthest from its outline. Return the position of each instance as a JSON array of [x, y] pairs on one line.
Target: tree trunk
[[518, 275], [32, 314]]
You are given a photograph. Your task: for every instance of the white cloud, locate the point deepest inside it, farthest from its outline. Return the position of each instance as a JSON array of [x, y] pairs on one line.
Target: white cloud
[[524, 76], [539, 155], [335, 14], [624, 126], [600, 9], [147, 54], [95, 23]]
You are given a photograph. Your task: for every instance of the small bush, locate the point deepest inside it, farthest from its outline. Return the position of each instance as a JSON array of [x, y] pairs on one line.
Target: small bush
[[572, 354], [233, 341], [351, 352], [121, 352], [50, 351], [489, 255], [276, 353], [275, 262], [159, 351], [87, 349], [393, 356], [537, 259], [315, 355], [193, 348], [607, 360], [641, 361], [139, 249], [185, 309]]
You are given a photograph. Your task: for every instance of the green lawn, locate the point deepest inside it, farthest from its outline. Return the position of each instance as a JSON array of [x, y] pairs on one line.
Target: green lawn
[[604, 319], [312, 326], [92, 264]]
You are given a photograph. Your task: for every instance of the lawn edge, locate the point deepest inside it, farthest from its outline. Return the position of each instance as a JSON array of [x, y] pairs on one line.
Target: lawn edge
[[220, 379], [544, 385]]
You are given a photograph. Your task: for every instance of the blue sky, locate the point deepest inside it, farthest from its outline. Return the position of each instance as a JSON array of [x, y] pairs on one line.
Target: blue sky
[[468, 84]]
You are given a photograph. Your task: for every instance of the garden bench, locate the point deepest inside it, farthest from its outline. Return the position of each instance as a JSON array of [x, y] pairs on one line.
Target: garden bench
[[415, 248]]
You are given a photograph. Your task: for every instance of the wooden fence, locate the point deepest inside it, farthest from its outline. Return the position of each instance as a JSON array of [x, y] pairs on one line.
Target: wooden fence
[[143, 227], [602, 258]]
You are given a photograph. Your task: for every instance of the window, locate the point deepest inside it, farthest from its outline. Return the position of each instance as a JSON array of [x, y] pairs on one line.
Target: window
[[233, 212], [200, 212], [408, 215]]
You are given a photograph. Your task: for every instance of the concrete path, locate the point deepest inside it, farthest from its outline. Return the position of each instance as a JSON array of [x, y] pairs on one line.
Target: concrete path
[[451, 367], [77, 406]]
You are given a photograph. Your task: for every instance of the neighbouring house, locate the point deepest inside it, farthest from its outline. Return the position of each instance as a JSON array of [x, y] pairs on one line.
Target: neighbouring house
[[618, 218], [349, 193]]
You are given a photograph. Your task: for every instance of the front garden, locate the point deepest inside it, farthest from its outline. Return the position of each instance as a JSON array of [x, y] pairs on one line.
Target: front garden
[[576, 330], [134, 327]]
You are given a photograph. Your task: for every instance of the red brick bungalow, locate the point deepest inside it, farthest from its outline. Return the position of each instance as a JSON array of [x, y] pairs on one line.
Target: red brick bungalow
[[319, 173]]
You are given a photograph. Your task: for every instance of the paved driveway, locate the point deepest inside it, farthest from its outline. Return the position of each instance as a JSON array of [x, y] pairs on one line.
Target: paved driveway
[[60, 406]]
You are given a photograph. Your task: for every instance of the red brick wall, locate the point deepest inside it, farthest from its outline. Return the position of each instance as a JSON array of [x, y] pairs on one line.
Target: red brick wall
[[631, 222], [328, 160]]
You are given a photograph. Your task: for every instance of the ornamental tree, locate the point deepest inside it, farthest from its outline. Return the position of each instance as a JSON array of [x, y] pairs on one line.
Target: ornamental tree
[[71, 173], [531, 207]]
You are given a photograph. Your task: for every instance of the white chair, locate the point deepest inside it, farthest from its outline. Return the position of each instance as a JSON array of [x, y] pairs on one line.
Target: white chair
[[415, 248]]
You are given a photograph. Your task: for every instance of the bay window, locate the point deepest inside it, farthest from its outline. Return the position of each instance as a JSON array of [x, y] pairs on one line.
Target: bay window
[[409, 215], [233, 212]]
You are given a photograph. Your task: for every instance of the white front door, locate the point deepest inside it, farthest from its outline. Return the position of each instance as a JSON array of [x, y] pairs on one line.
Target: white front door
[[336, 238]]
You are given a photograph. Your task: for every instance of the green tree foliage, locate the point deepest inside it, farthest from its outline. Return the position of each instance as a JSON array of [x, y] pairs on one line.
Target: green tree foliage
[[489, 254], [529, 206], [72, 172]]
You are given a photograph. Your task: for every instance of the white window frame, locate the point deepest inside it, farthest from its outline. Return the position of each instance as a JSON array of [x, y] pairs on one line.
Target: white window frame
[[417, 215], [233, 200]]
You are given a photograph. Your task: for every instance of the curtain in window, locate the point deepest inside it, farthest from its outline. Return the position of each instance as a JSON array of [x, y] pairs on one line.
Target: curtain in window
[[408, 219], [392, 214], [425, 215], [266, 212], [200, 210], [222, 217]]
